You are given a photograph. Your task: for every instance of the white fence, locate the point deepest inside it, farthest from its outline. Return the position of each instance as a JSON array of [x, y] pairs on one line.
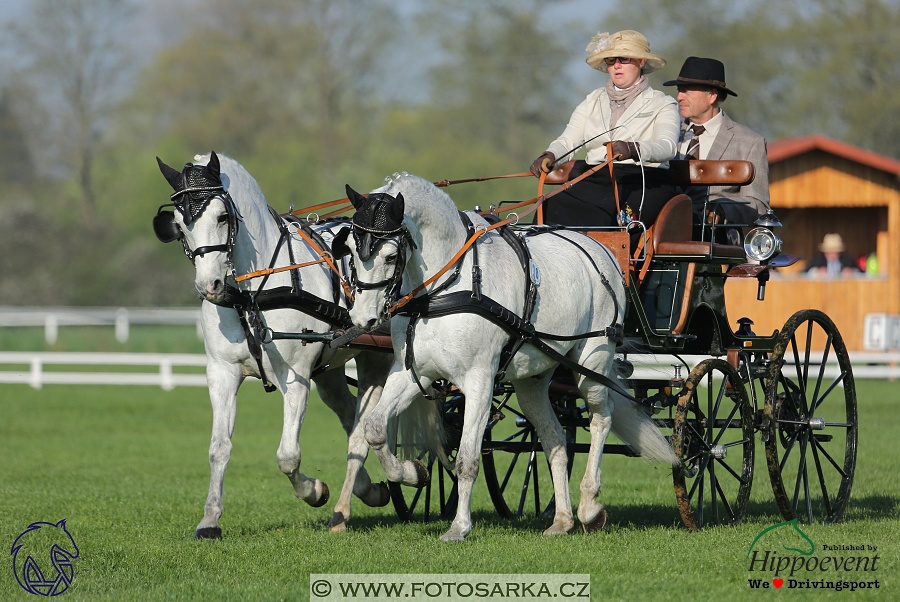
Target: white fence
[[31, 368], [51, 318], [37, 375]]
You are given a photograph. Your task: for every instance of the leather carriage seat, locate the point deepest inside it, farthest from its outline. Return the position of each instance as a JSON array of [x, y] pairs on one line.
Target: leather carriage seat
[[670, 236]]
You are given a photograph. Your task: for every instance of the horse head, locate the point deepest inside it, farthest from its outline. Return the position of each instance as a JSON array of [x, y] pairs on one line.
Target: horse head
[[378, 255], [204, 219]]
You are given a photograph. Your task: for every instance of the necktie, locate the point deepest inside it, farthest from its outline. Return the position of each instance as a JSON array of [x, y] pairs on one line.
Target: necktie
[[693, 151]]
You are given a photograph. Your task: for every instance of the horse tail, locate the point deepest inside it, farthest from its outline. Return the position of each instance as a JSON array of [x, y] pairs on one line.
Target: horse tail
[[421, 428], [632, 424]]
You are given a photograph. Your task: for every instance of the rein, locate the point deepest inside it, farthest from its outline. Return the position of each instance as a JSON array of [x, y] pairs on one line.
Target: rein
[[537, 202]]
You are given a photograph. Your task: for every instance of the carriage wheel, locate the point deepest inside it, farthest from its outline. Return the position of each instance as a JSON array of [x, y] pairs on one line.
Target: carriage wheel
[[516, 470], [438, 498], [810, 422], [713, 438]]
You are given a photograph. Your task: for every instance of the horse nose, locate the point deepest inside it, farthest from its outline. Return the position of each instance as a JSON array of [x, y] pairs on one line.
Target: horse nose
[[214, 288], [371, 323]]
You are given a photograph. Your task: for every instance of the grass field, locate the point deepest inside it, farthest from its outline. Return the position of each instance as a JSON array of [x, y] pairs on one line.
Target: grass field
[[127, 468]]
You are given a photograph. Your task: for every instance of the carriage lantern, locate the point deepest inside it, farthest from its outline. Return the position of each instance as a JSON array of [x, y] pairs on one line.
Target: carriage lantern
[[761, 244]]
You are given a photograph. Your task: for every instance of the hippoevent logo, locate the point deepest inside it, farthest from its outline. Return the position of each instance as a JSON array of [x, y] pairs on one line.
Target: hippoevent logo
[[783, 556], [42, 558]]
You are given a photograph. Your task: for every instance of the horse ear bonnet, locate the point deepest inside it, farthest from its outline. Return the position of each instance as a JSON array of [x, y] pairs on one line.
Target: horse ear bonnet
[[378, 216], [194, 187]]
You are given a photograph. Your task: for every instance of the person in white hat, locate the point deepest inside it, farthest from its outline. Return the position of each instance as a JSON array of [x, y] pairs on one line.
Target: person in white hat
[[642, 124], [832, 261]]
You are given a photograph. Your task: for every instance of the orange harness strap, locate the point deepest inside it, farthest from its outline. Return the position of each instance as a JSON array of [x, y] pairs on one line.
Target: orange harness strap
[[327, 258], [268, 271]]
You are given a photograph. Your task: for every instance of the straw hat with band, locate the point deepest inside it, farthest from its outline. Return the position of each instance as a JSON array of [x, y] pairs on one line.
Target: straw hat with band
[[832, 243], [626, 43], [704, 72]]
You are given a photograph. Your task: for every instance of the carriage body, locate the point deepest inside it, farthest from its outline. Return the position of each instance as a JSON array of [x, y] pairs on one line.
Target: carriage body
[[774, 385]]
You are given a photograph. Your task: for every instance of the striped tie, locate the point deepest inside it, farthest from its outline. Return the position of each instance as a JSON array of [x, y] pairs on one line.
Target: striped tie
[[693, 151]]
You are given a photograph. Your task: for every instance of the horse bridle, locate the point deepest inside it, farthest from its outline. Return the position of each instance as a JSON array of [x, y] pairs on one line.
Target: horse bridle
[[168, 231], [393, 283]]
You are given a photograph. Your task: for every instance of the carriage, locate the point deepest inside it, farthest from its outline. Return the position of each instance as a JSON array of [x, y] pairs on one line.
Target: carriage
[[780, 387]]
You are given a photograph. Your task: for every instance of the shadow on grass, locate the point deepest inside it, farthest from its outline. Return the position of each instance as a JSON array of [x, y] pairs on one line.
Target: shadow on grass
[[625, 516]]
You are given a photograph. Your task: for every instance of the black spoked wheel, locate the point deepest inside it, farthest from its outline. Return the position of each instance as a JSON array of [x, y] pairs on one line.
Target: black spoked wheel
[[437, 500], [516, 471], [713, 438], [810, 423]]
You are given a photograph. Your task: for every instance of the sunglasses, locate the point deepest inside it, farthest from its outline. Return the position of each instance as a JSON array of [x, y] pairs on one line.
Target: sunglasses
[[625, 60]]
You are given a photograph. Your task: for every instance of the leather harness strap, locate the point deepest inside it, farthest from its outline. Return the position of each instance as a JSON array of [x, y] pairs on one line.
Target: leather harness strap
[[462, 302]]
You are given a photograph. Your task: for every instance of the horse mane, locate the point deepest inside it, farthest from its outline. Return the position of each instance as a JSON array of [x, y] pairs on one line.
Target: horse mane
[[422, 198], [237, 181]]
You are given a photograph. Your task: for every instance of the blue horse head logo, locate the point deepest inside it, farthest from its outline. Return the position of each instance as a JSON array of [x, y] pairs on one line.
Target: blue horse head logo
[[45, 545]]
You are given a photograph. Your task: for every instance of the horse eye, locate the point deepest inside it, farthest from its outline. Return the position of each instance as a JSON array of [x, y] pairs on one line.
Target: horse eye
[[223, 218], [392, 258]]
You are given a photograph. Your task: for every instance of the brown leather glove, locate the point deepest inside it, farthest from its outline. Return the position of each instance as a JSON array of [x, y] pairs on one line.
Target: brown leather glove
[[542, 163], [628, 150]]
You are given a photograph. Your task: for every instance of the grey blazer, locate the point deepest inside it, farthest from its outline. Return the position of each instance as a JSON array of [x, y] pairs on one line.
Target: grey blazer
[[736, 142]]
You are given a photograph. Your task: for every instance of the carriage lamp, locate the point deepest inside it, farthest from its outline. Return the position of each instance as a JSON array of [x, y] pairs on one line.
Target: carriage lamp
[[761, 244]]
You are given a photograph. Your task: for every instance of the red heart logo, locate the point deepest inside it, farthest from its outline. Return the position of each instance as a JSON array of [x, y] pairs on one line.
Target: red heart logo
[[778, 582]]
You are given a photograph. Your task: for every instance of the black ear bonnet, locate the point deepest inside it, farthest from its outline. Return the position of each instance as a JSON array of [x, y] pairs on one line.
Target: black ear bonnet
[[194, 187], [378, 217]]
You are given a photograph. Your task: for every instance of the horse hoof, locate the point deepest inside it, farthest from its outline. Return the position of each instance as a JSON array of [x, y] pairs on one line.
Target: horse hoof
[[323, 499], [422, 475], [557, 529], [208, 533], [338, 523], [595, 525], [453, 535], [384, 495]]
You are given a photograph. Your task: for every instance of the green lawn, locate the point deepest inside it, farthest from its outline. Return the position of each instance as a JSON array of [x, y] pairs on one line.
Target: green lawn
[[127, 468]]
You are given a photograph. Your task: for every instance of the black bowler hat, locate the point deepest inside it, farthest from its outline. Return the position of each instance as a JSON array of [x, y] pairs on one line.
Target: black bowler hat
[[705, 72]]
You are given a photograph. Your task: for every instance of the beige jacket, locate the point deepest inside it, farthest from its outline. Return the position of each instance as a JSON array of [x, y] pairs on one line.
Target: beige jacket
[[652, 119]]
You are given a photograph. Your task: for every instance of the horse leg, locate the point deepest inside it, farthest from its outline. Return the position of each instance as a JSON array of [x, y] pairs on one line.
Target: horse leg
[[296, 397], [535, 403], [590, 510], [399, 392], [478, 391], [224, 380], [372, 369]]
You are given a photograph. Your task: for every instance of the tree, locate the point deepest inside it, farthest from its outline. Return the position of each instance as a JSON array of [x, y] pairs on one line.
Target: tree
[[74, 66], [503, 77], [16, 166]]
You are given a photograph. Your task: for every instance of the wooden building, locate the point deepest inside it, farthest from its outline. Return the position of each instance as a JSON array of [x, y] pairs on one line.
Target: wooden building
[[820, 186]]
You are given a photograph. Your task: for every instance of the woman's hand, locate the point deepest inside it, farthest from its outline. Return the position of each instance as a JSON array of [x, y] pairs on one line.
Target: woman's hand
[[622, 151], [542, 163]]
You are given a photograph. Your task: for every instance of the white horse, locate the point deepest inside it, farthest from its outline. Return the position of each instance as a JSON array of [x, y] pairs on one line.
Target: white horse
[[222, 219], [465, 348]]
